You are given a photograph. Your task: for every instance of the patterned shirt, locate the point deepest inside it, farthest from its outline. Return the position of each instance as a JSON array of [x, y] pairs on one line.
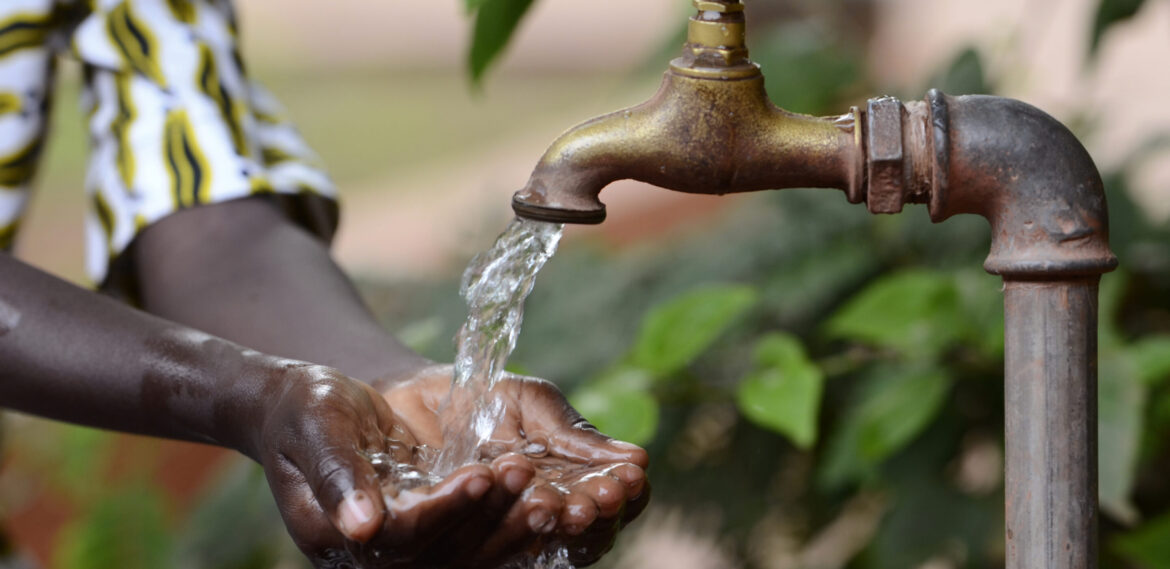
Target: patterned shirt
[[173, 120]]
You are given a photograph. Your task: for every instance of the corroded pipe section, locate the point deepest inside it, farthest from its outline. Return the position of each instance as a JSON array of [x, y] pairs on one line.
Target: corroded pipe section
[[1050, 352], [710, 129], [1042, 195], [1029, 176]]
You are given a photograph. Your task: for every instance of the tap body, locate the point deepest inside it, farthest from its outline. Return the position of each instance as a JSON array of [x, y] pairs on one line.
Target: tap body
[[710, 129], [697, 135]]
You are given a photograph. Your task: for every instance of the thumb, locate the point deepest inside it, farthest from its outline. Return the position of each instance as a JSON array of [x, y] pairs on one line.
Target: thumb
[[347, 489]]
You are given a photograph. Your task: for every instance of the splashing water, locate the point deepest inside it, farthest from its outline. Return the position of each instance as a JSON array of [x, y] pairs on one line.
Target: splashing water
[[495, 285]]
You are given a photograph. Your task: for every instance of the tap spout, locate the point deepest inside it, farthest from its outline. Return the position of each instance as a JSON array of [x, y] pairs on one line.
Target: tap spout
[[710, 129]]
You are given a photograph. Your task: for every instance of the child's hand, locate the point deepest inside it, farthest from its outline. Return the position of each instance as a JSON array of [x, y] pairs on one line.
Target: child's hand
[[586, 485], [314, 441]]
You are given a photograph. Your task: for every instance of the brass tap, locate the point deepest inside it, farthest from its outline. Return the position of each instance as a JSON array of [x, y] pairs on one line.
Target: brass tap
[[710, 129]]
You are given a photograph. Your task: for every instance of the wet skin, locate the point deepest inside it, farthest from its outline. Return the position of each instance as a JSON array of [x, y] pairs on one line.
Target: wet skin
[[244, 276]]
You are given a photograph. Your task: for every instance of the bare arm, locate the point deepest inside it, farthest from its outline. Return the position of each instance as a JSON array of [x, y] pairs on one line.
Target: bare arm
[[74, 355], [242, 271]]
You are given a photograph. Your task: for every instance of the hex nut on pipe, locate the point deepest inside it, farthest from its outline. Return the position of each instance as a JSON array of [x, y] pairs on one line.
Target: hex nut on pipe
[[884, 155]]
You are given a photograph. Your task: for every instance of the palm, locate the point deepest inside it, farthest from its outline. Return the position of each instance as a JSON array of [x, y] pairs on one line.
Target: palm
[[579, 485]]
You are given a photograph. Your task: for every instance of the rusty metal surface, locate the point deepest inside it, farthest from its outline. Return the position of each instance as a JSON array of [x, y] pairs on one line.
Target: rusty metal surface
[[1050, 352], [710, 129], [1031, 178], [883, 158]]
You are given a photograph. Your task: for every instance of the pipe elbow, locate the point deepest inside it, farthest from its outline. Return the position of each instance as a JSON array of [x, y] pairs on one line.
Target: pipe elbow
[[1029, 176]]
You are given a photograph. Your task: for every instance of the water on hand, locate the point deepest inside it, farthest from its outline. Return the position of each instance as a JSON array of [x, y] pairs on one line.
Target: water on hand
[[495, 286]]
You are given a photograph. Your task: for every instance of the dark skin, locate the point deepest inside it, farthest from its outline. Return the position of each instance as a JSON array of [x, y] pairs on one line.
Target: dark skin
[[243, 275]]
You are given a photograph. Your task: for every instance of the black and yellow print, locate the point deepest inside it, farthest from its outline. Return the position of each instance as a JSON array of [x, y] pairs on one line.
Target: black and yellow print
[[17, 169], [8, 235], [105, 217], [23, 31], [136, 43], [187, 166], [10, 103], [273, 156], [261, 185], [230, 110], [173, 119], [183, 10], [120, 128]]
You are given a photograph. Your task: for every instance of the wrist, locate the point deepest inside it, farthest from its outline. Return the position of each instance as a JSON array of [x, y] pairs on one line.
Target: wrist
[[256, 385]]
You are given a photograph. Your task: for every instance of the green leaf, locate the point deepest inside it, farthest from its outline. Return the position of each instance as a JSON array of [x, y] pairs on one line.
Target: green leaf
[[126, 529], [1121, 401], [964, 76], [898, 410], [619, 405], [1152, 359], [678, 331], [1109, 302], [472, 5], [783, 393], [913, 311], [1110, 12], [495, 23], [981, 305], [808, 70], [1149, 546], [895, 405]]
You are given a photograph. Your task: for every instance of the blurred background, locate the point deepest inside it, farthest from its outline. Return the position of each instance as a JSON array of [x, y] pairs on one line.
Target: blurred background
[[819, 387]]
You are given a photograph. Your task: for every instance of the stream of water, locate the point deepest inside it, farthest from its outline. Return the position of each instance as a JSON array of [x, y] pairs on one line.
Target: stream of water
[[495, 286]]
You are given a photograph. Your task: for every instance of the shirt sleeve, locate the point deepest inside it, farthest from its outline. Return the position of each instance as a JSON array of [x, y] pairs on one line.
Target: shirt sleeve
[[26, 70], [176, 123]]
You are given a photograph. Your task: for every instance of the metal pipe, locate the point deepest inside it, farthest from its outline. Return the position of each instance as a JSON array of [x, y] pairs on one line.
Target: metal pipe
[[1050, 353], [711, 130], [1043, 197]]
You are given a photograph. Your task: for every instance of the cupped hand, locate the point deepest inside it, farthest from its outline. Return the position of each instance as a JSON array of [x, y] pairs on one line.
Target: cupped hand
[[316, 438], [577, 486]]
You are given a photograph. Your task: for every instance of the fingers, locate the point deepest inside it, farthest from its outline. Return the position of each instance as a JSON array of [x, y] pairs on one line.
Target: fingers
[[307, 523], [580, 512], [573, 437], [619, 492], [535, 514], [418, 516], [584, 443], [417, 519], [346, 486]]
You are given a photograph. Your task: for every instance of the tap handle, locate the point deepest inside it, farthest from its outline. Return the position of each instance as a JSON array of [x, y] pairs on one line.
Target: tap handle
[[716, 40]]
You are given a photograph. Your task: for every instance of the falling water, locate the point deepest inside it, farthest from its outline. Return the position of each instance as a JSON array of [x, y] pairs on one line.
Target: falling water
[[495, 285]]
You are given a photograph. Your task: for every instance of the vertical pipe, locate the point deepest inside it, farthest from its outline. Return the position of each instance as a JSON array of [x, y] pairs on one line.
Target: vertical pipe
[[1050, 357]]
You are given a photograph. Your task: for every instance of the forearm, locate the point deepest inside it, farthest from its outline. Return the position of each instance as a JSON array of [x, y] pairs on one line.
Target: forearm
[[77, 356], [241, 271]]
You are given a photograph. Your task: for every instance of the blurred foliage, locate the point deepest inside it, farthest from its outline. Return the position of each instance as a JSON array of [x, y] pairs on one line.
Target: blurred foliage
[[495, 22], [796, 357], [1110, 12]]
